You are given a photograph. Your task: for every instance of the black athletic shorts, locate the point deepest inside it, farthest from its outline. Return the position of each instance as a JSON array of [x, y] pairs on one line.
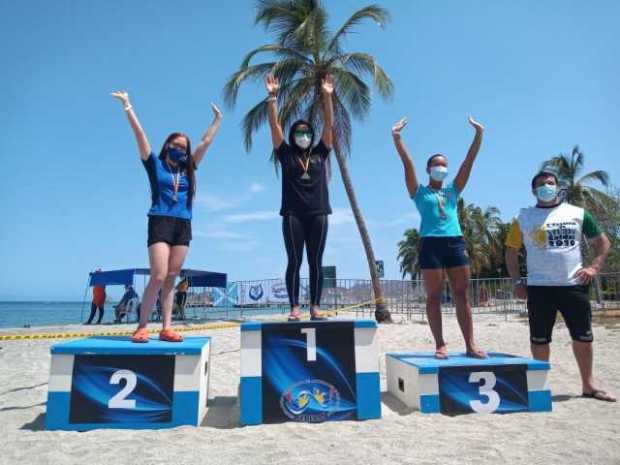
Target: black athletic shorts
[[443, 252], [169, 229], [573, 302]]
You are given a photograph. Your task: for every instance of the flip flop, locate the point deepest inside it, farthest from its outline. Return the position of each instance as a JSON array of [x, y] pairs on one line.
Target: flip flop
[[317, 317], [441, 354], [168, 335], [140, 335], [599, 394], [294, 316]]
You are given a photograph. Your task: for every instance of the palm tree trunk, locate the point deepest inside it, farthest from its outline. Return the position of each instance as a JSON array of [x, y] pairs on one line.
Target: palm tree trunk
[[382, 314]]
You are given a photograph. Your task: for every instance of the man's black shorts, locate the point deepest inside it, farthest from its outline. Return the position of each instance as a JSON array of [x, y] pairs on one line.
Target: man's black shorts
[[573, 302], [169, 229]]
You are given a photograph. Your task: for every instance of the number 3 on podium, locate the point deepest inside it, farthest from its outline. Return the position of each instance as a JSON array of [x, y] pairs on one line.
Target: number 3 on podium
[[485, 390], [310, 343]]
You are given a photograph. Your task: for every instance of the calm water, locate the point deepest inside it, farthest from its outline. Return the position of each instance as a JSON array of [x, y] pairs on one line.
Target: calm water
[[20, 314]]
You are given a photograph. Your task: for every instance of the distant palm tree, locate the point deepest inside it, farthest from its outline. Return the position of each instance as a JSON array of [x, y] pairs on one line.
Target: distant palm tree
[[408, 253], [304, 52], [480, 231], [578, 192]]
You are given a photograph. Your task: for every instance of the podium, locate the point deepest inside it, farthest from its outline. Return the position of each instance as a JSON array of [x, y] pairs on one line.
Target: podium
[[110, 382], [501, 383], [311, 371]]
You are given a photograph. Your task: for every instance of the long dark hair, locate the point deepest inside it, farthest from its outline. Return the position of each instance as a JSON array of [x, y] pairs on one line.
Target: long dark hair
[[308, 151], [189, 166]]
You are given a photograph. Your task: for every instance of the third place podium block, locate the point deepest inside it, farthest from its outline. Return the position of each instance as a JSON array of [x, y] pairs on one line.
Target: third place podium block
[[311, 371], [110, 382], [500, 383]]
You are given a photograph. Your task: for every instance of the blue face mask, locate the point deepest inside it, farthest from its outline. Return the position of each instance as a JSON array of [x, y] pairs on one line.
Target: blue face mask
[[547, 192], [438, 173], [177, 155]]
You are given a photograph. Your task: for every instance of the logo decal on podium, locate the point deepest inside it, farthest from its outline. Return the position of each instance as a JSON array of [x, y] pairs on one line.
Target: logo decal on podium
[[309, 371], [312, 401], [117, 389]]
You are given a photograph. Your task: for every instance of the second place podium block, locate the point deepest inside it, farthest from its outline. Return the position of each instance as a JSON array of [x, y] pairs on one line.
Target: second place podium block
[[310, 371]]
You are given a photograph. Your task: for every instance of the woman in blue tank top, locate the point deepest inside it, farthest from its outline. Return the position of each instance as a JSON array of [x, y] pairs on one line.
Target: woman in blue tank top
[[173, 186], [442, 245]]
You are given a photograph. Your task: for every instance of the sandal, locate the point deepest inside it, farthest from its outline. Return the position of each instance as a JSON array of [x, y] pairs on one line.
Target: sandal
[[294, 316], [140, 335], [315, 316], [170, 336], [599, 394]]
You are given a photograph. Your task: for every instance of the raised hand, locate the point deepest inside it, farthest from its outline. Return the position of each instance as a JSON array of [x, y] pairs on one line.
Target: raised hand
[[477, 126], [217, 113], [272, 84], [327, 84], [121, 96], [399, 126]]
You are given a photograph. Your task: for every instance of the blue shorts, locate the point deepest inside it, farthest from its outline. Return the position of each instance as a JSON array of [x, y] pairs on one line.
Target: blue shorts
[[443, 252]]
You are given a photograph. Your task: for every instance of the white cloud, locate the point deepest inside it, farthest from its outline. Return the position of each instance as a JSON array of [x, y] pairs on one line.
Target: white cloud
[[341, 216], [219, 234], [214, 203], [261, 215], [256, 187]]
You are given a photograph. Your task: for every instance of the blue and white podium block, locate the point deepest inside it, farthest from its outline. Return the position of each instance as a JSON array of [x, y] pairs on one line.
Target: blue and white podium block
[[110, 382], [500, 383], [310, 371]]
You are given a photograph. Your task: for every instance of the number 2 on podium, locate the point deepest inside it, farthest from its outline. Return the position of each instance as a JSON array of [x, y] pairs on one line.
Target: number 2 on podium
[[310, 343], [119, 400]]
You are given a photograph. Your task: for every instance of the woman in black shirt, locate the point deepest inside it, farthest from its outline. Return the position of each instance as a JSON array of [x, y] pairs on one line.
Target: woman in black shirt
[[305, 198]]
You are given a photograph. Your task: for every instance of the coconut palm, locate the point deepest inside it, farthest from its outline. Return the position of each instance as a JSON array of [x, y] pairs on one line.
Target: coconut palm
[[408, 253], [576, 188], [304, 52]]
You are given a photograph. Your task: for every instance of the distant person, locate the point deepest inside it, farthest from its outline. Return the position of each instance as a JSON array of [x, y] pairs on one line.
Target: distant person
[[121, 308], [98, 302], [172, 179], [442, 247], [553, 234], [180, 298]]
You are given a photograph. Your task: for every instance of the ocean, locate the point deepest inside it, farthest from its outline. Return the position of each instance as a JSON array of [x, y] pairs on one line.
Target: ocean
[[26, 314]]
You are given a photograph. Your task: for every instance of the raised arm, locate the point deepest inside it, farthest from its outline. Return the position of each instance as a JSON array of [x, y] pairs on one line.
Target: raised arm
[[272, 85], [463, 175], [143, 144], [410, 178], [208, 136], [327, 89]]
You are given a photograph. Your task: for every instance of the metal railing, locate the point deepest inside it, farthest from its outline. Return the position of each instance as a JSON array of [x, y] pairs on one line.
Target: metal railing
[[403, 297]]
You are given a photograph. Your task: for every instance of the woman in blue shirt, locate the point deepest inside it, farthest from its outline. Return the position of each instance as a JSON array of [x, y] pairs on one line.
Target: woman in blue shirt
[[173, 186], [442, 245]]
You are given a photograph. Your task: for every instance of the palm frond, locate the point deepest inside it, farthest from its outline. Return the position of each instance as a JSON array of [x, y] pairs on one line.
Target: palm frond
[[353, 91], [365, 64], [277, 49], [598, 175], [372, 12], [254, 72], [342, 126], [253, 119]]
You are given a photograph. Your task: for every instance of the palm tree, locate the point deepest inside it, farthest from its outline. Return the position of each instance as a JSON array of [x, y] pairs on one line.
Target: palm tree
[[569, 168], [408, 253], [304, 52]]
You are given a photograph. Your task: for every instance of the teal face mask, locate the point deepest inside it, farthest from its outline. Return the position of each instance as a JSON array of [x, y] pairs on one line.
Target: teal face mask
[[547, 192]]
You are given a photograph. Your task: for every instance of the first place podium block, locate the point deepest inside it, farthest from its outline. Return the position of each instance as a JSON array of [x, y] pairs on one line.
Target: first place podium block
[[500, 383], [110, 382], [311, 371]]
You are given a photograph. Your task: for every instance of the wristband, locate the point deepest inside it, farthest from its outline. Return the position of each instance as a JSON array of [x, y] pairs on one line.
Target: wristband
[[128, 107]]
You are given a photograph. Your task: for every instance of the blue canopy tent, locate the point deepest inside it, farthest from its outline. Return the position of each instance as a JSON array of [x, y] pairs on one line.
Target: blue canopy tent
[[196, 278]]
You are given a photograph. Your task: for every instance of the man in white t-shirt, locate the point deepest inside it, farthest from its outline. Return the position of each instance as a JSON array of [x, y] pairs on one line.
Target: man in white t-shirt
[[552, 232]]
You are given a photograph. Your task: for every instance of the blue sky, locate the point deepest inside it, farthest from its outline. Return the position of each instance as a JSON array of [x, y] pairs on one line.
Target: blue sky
[[541, 76]]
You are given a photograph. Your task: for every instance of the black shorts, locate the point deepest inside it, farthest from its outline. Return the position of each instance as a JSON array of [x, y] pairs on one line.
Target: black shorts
[[443, 252], [169, 229], [543, 303]]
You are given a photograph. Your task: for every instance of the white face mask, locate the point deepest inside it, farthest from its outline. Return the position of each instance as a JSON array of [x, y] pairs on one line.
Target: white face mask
[[438, 173], [303, 142], [547, 192]]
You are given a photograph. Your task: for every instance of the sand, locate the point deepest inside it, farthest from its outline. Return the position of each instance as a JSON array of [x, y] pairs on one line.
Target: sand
[[578, 431]]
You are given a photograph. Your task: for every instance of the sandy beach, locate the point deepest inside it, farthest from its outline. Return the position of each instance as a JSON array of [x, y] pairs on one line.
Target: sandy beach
[[578, 431]]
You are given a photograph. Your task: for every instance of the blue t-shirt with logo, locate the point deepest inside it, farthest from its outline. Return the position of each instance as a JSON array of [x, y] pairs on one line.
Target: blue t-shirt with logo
[[436, 223], [162, 178]]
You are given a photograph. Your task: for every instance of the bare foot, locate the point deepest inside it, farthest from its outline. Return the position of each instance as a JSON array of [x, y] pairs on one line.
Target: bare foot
[[441, 352], [476, 352]]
